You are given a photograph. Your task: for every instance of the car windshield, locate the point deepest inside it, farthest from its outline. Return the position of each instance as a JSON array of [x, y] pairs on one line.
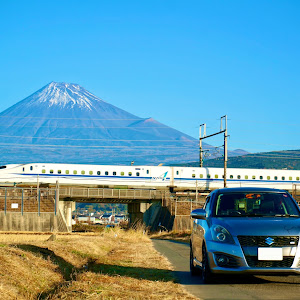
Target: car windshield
[[256, 204]]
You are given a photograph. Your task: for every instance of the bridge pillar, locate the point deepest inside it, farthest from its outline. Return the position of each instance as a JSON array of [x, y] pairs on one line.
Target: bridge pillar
[[66, 208], [136, 211]]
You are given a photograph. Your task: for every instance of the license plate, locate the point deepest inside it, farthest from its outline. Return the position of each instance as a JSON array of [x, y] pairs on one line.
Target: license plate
[[270, 254]]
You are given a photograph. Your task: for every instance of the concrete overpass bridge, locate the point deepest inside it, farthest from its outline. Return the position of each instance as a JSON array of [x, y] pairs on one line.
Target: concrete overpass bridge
[[50, 209]]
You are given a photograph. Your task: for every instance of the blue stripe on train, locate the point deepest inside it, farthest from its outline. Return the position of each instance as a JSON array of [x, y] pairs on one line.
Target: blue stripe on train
[[156, 179]]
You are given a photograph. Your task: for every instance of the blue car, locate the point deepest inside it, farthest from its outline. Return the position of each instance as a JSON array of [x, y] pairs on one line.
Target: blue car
[[245, 231]]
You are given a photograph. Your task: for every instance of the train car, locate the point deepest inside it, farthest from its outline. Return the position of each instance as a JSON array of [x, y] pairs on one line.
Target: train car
[[178, 178]]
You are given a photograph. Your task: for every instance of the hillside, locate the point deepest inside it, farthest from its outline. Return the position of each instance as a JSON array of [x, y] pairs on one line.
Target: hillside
[[289, 159], [65, 123]]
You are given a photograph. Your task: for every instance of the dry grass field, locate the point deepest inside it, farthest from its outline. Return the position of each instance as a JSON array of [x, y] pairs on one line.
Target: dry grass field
[[114, 264]]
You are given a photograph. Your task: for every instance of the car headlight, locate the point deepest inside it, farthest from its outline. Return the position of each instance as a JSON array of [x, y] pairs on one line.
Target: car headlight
[[221, 234]]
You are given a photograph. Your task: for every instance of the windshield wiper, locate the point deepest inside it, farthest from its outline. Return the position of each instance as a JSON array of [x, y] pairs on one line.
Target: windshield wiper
[[286, 215], [254, 215]]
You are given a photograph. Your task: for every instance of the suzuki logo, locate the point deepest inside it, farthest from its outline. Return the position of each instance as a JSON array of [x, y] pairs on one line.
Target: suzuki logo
[[269, 241]]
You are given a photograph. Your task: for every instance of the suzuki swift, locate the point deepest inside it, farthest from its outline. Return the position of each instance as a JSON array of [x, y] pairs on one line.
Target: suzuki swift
[[245, 231]]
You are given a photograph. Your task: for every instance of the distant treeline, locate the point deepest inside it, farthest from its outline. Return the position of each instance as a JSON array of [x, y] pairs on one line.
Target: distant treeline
[[289, 159]]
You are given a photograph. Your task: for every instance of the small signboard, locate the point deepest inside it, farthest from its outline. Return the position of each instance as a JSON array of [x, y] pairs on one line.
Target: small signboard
[[14, 205]]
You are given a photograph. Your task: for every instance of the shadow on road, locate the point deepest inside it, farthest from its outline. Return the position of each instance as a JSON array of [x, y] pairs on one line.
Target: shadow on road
[[186, 279]]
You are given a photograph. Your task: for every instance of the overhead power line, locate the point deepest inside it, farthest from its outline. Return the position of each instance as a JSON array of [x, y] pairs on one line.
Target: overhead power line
[[116, 119], [87, 127], [103, 146], [111, 140]]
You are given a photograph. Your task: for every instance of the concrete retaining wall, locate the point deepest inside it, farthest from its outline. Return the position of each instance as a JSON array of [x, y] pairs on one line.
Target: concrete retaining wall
[[45, 222]]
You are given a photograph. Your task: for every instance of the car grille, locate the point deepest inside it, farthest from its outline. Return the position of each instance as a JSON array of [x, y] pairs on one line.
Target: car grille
[[260, 241], [253, 262]]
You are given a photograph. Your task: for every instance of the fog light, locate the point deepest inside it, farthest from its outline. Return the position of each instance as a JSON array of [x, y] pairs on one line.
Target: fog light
[[222, 260], [226, 261]]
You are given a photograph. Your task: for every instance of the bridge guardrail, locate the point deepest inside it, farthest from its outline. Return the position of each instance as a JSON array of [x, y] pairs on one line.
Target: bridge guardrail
[[101, 193]]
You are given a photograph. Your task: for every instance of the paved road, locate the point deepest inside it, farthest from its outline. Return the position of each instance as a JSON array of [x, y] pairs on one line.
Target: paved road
[[229, 287]]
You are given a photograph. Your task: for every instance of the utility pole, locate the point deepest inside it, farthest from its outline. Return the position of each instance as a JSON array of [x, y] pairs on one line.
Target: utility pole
[[204, 136], [200, 143], [224, 119]]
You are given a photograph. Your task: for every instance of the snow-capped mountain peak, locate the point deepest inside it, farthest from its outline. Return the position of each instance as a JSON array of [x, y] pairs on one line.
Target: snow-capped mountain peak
[[64, 95]]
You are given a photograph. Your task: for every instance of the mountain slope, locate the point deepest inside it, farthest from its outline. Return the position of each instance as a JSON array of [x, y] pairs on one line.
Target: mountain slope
[[63, 122], [289, 159]]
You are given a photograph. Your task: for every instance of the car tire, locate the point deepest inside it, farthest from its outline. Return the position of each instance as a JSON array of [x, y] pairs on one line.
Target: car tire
[[193, 270], [206, 273]]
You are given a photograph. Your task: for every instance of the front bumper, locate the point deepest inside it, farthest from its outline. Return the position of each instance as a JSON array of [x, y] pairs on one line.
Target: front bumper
[[232, 259]]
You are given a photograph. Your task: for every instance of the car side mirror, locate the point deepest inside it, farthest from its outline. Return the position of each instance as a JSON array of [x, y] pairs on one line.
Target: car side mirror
[[198, 213]]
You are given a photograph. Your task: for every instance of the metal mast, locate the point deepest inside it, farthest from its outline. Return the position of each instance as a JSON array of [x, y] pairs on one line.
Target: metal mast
[[223, 122]]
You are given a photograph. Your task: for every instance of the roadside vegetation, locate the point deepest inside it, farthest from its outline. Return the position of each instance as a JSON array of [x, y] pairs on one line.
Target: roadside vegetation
[[112, 264], [182, 236]]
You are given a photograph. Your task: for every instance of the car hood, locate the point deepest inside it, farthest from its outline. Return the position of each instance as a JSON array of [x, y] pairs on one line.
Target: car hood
[[260, 225]]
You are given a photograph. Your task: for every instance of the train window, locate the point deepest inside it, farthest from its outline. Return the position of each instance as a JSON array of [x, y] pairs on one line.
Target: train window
[[275, 177], [43, 171], [290, 178], [193, 175], [98, 173], [91, 172], [239, 177], [58, 171], [246, 177], [31, 168], [147, 171], [114, 173], [177, 172], [261, 177], [253, 177], [106, 173], [122, 173], [130, 173], [208, 176], [297, 178], [82, 172], [75, 172], [201, 175], [216, 176], [231, 176], [67, 172], [23, 169], [283, 178], [51, 171], [137, 173], [268, 177]]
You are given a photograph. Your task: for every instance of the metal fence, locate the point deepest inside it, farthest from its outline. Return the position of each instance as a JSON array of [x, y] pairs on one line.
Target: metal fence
[[27, 200], [17, 199]]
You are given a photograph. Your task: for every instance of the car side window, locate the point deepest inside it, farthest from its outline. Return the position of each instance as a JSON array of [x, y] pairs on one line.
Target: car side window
[[207, 205]]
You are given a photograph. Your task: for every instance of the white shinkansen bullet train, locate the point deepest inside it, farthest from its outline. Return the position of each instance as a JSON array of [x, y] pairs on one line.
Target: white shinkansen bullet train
[[178, 178]]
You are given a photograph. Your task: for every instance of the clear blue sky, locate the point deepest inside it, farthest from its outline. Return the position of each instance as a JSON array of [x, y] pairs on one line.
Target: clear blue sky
[[183, 63]]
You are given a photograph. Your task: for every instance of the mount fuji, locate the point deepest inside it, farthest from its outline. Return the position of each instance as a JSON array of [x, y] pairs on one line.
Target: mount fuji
[[63, 122]]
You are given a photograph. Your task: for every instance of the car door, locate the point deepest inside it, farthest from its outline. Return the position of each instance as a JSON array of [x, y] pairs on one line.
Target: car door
[[199, 228]]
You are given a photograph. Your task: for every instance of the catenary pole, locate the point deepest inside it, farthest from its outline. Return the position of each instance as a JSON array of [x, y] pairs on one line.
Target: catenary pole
[[223, 120]]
